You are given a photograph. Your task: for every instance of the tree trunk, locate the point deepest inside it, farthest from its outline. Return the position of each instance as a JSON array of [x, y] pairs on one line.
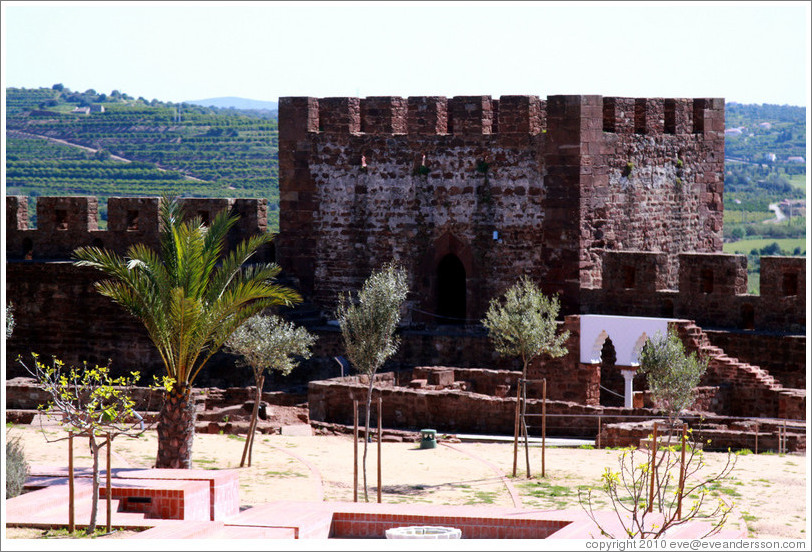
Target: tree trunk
[[252, 425], [94, 504], [176, 429]]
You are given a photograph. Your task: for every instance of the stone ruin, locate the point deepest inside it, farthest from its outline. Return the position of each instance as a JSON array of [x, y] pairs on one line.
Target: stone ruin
[[614, 204]]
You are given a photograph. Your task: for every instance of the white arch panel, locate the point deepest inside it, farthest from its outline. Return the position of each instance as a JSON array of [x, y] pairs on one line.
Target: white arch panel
[[628, 334]]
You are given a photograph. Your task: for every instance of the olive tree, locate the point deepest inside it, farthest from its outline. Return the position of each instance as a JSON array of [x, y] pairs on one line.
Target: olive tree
[[368, 326], [522, 324], [267, 343], [672, 376]]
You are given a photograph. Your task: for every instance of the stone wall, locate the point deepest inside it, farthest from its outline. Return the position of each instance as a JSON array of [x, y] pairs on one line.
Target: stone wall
[[67, 222], [451, 411], [784, 356], [507, 187], [712, 291]]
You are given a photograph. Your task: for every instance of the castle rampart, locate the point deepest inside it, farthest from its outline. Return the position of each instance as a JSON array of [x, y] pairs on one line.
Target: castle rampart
[[712, 290], [67, 222]]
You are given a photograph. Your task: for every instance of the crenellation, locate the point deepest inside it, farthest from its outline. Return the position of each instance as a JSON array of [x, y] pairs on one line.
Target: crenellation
[[707, 274], [137, 215], [16, 213], [470, 115], [427, 115], [66, 223], [619, 115], [678, 115], [383, 115], [518, 115], [297, 117], [71, 214], [340, 116], [649, 116]]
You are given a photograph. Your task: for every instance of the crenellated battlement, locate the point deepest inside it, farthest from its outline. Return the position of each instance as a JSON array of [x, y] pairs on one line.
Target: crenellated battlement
[[484, 115], [712, 290], [67, 222]]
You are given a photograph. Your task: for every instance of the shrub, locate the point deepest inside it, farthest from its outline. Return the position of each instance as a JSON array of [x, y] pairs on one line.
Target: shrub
[[16, 467]]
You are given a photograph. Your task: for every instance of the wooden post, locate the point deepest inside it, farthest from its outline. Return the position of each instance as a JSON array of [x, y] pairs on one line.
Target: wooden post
[[109, 491], [599, 432], [380, 419], [524, 428], [653, 468], [543, 422], [682, 471], [71, 491], [784, 433], [516, 426], [756, 451], [355, 451]]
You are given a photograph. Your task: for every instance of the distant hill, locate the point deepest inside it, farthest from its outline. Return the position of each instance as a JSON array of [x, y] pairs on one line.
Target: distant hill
[[236, 103], [197, 151]]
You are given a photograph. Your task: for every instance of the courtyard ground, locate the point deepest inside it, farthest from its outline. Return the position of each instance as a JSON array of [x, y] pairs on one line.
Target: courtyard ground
[[769, 491]]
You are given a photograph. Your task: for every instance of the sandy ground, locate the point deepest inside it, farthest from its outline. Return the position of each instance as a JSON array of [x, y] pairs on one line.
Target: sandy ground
[[768, 491]]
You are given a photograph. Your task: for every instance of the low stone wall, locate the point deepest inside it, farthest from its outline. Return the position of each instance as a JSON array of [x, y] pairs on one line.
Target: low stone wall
[[721, 434], [456, 411]]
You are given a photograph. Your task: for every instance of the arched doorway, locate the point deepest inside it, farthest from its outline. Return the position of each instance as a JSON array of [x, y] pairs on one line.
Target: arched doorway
[[611, 379], [451, 290]]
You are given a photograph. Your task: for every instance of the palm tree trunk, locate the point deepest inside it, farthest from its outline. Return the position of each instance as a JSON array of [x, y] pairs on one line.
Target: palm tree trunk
[[176, 429]]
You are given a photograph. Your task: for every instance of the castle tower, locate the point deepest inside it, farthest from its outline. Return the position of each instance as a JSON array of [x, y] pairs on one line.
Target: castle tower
[[471, 192]]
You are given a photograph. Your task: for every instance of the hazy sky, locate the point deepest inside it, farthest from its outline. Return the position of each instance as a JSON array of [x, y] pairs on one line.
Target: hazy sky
[[750, 52]]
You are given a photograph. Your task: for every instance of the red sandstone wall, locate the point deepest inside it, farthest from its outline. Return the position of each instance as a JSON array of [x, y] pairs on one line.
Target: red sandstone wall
[[65, 223], [712, 290], [659, 184], [365, 181]]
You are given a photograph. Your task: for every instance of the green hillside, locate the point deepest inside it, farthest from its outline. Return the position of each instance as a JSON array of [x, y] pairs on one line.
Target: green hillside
[[179, 149]]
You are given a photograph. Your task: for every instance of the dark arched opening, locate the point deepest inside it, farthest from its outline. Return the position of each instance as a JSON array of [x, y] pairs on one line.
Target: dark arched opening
[[451, 290], [611, 379], [748, 317], [28, 249]]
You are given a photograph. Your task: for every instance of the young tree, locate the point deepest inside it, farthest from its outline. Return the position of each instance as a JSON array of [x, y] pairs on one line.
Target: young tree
[[368, 328], [672, 376], [267, 343], [91, 404], [675, 482], [523, 324], [190, 298]]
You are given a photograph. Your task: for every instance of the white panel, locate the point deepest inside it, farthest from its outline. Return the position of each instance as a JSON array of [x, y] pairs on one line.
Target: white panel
[[624, 331]]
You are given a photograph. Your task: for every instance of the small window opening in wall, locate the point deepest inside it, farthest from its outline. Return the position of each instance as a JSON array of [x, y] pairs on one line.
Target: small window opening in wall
[[790, 284], [28, 249], [707, 280], [748, 317], [628, 276], [132, 221], [668, 308], [670, 122], [61, 219], [204, 217]]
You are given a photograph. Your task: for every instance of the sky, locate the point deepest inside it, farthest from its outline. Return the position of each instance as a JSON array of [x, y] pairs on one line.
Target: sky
[[748, 52]]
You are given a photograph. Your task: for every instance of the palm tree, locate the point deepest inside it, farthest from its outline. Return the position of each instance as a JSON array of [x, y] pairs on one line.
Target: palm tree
[[190, 296]]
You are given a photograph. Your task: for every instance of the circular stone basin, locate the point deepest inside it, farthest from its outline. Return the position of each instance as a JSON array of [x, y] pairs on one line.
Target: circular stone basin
[[423, 532]]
